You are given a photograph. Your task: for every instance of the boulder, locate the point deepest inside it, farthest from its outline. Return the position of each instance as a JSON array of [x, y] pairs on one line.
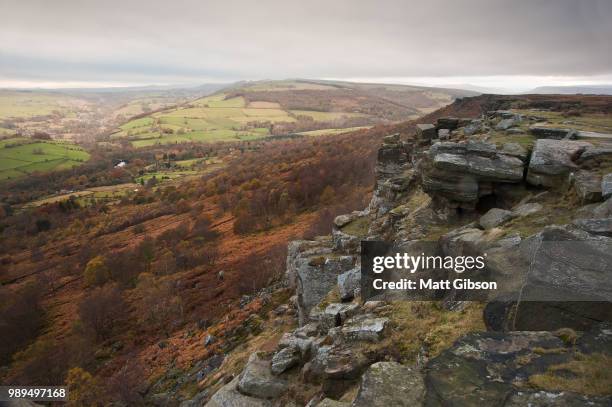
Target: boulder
[[596, 156], [285, 359], [292, 340], [444, 134], [551, 161], [598, 226], [316, 278], [299, 253], [335, 314], [229, 396], [550, 132], [256, 380], [336, 362], [515, 150], [505, 124], [495, 217], [587, 186], [606, 186], [425, 131], [564, 279], [474, 127], [365, 327], [349, 283], [390, 384], [448, 123]]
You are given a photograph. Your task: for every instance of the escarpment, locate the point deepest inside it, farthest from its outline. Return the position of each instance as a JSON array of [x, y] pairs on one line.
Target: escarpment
[[537, 202]]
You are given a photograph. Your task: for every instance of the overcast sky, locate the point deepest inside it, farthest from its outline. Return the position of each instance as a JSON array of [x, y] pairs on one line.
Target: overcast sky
[[496, 43]]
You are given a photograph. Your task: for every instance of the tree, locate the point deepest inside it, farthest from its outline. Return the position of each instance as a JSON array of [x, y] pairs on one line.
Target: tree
[[96, 272], [101, 310], [83, 389]]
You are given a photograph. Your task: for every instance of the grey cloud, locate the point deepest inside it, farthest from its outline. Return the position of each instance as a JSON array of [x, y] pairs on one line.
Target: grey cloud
[[186, 40]]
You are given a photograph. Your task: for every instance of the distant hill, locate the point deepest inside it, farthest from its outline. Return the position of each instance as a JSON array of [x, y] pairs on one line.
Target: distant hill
[[257, 109], [574, 90]]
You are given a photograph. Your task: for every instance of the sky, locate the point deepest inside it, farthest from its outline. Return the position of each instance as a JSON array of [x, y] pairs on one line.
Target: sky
[[512, 45]]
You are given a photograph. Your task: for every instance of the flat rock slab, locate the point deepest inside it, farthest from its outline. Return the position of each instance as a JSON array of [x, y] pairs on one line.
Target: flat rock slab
[[364, 328], [495, 217], [587, 186], [552, 160], [390, 384]]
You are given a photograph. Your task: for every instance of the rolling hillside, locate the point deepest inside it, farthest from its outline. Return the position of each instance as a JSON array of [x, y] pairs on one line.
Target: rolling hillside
[[256, 110]]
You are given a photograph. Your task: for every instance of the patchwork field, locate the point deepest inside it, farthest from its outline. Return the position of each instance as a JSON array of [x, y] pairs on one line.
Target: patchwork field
[[256, 110], [22, 156]]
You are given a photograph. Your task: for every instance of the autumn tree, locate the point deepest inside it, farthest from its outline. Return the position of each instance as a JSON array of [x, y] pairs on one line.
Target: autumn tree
[[100, 311]]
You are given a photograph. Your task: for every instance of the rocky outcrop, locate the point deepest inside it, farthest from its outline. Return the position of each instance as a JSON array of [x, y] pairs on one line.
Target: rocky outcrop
[[587, 186], [464, 172], [349, 284], [553, 160]]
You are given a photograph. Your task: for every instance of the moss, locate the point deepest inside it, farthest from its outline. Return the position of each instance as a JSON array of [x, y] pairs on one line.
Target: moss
[[589, 374], [549, 351], [331, 297], [359, 227]]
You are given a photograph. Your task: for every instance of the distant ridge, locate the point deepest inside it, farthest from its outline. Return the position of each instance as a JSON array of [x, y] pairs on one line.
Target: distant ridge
[[574, 90]]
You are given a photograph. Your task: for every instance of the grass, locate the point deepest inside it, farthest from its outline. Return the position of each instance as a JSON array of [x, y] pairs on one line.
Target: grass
[[19, 157], [219, 118], [325, 116], [358, 227], [23, 104], [586, 122], [425, 324], [585, 374]]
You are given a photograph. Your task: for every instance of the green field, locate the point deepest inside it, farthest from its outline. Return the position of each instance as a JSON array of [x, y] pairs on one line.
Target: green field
[[24, 104], [219, 118], [22, 156]]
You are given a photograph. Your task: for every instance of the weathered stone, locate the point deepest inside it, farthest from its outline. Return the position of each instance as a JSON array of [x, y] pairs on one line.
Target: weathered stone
[[551, 161], [501, 168], [285, 359], [229, 396], [299, 253], [495, 217], [390, 384], [481, 148], [290, 340], [444, 134], [364, 328], [450, 162], [447, 147], [316, 279], [307, 331], [595, 155], [349, 283], [335, 314], [210, 339], [460, 241], [600, 226], [448, 123], [505, 124], [549, 132], [257, 380], [606, 186], [425, 131], [515, 150], [474, 127], [587, 186]]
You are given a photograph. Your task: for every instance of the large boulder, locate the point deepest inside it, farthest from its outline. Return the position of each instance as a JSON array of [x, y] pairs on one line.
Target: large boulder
[[560, 277], [316, 278], [366, 327], [425, 132], [542, 132], [349, 283], [229, 396], [552, 161], [588, 186], [285, 359], [390, 384], [256, 380]]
